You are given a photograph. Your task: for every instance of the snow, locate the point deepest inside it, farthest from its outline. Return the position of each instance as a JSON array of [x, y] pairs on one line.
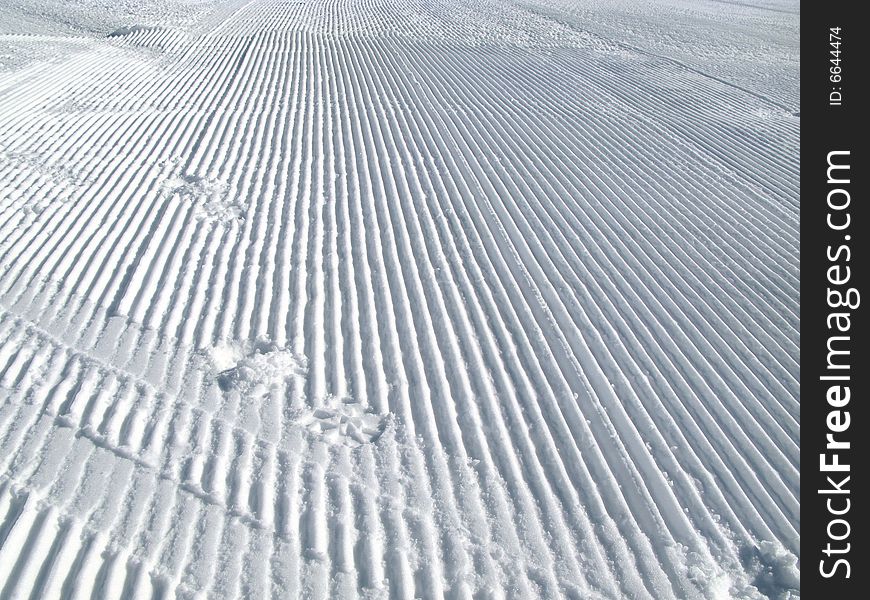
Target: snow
[[399, 298]]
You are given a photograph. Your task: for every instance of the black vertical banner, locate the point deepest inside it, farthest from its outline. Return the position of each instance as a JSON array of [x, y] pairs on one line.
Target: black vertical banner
[[834, 370]]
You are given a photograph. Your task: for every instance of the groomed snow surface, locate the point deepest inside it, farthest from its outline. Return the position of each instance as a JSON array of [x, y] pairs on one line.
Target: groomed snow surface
[[399, 298]]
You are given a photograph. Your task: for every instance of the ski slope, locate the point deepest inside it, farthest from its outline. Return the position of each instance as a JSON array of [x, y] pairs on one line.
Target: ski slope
[[399, 298]]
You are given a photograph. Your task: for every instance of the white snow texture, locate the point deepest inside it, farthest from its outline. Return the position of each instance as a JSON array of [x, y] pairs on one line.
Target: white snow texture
[[473, 299]]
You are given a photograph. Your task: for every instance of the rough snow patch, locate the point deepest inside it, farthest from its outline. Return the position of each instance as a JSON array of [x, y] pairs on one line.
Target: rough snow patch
[[208, 197], [253, 368], [343, 421]]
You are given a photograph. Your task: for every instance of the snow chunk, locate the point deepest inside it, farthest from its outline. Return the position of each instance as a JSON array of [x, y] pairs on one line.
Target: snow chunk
[[209, 197], [775, 569], [253, 368]]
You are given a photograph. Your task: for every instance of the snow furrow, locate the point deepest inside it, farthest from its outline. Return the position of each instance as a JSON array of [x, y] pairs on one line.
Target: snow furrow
[[400, 298]]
